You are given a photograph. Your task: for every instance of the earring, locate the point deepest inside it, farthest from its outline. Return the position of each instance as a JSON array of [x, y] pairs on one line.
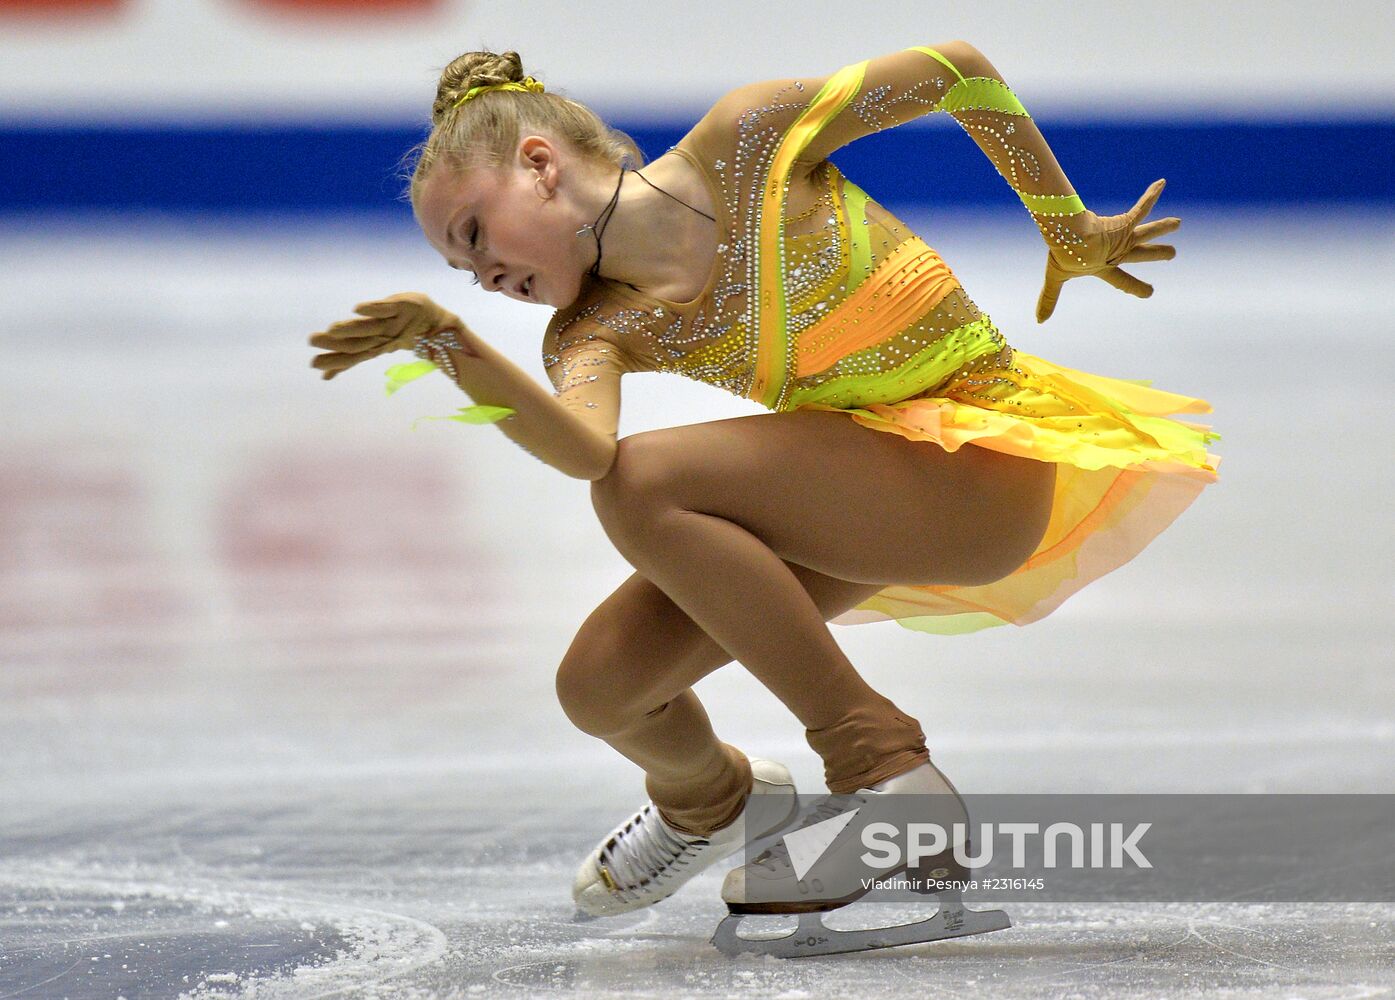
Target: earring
[[535, 187]]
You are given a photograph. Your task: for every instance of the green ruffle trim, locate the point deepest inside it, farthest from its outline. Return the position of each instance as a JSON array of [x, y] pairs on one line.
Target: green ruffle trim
[[472, 415], [962, 624], [400, 375]]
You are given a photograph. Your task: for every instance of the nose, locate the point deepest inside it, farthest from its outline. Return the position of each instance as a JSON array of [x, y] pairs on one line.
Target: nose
[[496, 280]]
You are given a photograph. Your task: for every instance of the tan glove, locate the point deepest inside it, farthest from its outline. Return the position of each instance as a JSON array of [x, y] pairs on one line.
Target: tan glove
[[1102, 243], [389, 324]]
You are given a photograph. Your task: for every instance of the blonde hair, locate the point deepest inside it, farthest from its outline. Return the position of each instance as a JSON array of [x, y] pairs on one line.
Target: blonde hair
[[485, 130]]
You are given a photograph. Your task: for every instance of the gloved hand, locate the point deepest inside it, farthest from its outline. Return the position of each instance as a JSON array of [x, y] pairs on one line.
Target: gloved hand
[[1102, 244], [389, 324]]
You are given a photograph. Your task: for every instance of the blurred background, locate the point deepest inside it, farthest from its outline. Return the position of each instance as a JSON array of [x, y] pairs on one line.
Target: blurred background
[[276, 671]]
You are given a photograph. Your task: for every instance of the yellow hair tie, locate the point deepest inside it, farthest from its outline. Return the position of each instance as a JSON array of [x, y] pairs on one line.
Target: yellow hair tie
[[528, 83]]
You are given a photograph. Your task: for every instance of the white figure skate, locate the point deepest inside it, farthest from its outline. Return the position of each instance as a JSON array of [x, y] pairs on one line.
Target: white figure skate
[[644, 860], [770, 885]]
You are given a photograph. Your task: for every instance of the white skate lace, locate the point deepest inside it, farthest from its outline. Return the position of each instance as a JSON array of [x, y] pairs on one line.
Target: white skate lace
[[778, 856], [644, 851]]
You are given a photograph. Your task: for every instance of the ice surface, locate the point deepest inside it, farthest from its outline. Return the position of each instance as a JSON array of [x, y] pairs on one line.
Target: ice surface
[[277, 714]]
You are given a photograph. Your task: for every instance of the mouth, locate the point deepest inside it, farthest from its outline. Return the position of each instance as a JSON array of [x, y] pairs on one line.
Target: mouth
[[525, 289]]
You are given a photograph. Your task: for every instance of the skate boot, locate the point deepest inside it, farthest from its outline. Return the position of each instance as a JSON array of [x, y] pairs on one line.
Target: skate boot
[[770, 883], [645, 860]]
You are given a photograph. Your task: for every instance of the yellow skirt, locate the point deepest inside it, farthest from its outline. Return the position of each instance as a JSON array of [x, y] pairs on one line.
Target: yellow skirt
[[1126, 471]]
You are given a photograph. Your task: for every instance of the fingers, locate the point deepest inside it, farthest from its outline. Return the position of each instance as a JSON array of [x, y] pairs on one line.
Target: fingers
[[349, 342], [1158, 227], [1145, 204], [1126, 282], [331, 365], [384, 325], [1046, 301], [1150, 251], [344, 353], [377, 308], [347, 331]]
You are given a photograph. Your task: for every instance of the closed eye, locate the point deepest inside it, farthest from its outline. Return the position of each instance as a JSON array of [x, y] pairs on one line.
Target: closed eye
[[474, 232]]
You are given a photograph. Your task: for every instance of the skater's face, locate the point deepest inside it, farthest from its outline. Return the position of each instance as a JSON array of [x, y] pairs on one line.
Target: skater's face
[[495, 223]]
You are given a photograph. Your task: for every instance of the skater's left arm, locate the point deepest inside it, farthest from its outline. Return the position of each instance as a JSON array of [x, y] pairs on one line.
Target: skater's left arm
[[1079, 242], [958, 79]]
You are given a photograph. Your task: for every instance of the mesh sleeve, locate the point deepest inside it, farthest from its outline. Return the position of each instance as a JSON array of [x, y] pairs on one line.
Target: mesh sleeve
[[955, 78], [585, 367]]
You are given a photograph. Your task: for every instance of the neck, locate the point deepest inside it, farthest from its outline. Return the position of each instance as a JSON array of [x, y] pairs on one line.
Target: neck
[[647, 238]]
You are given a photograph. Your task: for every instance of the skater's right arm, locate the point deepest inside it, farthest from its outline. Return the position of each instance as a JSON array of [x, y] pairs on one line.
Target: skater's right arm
[[585, 368], [573, 429]]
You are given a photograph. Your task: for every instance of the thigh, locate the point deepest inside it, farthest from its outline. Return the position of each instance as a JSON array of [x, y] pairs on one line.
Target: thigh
[[645, 650], [829, 494]]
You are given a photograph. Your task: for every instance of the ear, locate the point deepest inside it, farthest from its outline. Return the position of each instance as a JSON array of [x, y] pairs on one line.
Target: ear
[[539, 156], [537, 152]]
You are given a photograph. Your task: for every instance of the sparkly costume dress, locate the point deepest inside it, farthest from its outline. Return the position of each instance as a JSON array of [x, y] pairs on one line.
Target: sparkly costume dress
[[841, 307]]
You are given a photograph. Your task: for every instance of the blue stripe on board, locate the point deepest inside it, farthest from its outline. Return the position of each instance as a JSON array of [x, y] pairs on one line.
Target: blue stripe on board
[[303, 168]]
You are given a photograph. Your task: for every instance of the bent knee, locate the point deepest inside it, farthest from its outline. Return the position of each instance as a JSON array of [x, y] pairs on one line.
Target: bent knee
[[638, 478], [591, 685]]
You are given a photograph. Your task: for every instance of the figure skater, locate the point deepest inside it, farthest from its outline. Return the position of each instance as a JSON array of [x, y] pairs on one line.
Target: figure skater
[[744, 259]]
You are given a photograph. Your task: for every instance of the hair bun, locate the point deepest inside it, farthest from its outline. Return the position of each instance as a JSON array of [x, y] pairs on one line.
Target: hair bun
[[474, 69], [488, 135]]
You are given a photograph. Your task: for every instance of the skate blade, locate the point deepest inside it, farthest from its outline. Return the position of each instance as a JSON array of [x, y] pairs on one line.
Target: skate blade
[[812, 937]]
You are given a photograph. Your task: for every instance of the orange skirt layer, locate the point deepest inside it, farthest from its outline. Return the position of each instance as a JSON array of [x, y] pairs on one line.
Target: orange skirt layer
[[1126, 470]]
